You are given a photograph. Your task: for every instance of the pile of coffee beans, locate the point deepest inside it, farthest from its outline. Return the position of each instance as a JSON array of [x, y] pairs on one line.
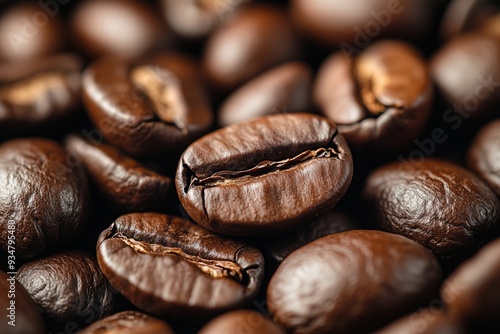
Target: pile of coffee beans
[[250, 166]]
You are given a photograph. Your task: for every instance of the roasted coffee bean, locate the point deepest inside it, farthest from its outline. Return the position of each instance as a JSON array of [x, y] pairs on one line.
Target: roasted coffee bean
[[279, 247], [44, 197], [149, 108], [68, 288], [195, 19], [380, 100], [264, 176], [128, 322], [126, 28], [28, 32], [355, 24], [465, 15], [435, 203], [250, 42], [484, 155], [283, 89], [427, 321], [38, 93], [352, 282], [472, 293], [173, 268], [126, 184], [470, 86], [19, 312], [241, 321]]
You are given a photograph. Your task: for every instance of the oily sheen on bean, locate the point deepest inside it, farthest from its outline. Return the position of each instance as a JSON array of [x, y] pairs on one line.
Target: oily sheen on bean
[[67, 287], [264, 176], [381, 99], [42, 194], [436, 203], [148, 108], [125, 183], [173, 268], [352, 282]]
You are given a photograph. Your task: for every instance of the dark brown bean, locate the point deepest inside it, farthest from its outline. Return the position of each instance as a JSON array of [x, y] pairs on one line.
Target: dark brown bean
[[285, 88], [173, 268], [126, 184], [435, 203], [352, 282], [470, 86], [147, 108], [42, 194], [68, 288], [380, 100], [264, 176], [250, 42]]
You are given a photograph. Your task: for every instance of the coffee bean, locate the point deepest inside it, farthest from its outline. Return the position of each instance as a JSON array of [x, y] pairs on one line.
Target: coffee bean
[[194, 19], [19, 312], [472, 293], [436, 203], [484, 155], [264, 176], [380, 100], [127, 28], [354, 25], [44, 197], [128, 322], [241, 321], [147, 108], [173, 268], [28, 32], [285, 88], [469, 86], [279, 247], [39, 93], [250, 42], [126, 184], [491, 25], [352, 282], [68, 288]]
